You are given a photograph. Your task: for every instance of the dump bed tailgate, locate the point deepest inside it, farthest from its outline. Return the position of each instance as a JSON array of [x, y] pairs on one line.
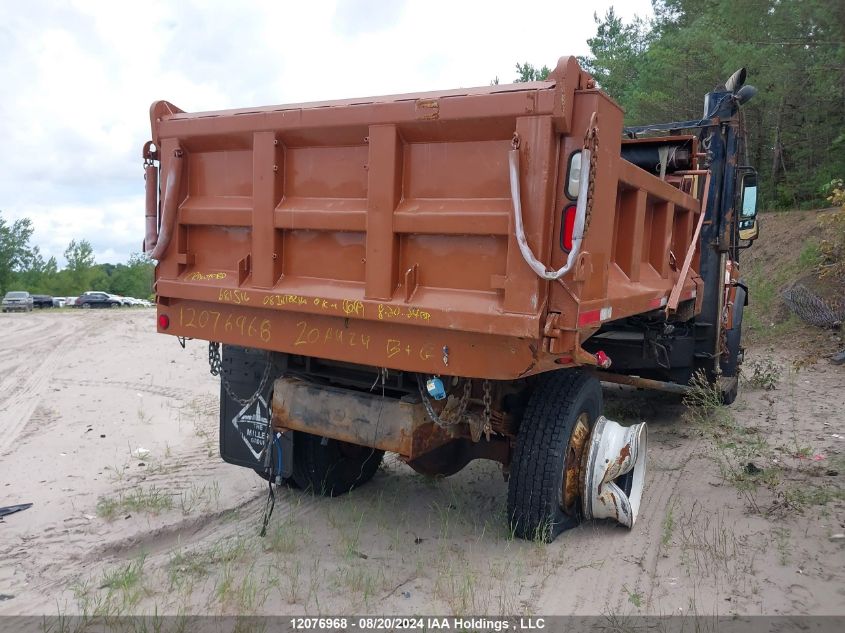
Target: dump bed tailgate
[[383, 224]]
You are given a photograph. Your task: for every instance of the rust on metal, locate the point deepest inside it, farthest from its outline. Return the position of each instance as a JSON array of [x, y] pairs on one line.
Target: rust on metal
[[573, 477], [644, 383], [428, 109], [624, 454], [399, 426]]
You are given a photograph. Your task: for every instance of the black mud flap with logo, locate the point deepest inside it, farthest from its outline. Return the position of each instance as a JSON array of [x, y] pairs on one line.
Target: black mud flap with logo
[[245, 411]]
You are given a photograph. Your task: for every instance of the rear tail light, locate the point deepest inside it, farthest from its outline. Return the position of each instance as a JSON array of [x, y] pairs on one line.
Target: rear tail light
[[163, 321], [573, 176], [567, 226]]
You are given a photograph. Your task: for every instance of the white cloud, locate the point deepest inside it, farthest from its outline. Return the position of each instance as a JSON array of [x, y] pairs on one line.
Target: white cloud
[[78, 78]]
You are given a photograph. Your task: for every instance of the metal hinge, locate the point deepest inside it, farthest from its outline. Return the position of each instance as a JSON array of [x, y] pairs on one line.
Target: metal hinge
[[552, 334]]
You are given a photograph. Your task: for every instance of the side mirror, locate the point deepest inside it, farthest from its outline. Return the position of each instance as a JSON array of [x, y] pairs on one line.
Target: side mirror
[[748, 229]]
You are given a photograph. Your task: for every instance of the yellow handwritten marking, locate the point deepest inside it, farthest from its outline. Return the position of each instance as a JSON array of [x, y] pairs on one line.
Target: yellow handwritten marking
[[325, 304], [353, 308], [395, 312], [388, 312], [198, 276], [393, 347], [307, 335], [191, 318], [283, 300], [417, 313], [237, 297]]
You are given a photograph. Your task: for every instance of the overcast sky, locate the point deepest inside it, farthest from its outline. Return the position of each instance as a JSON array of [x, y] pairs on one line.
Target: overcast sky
[[77, 79]]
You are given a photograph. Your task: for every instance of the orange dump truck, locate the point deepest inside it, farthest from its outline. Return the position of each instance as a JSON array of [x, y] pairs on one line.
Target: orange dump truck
[[449, 276]]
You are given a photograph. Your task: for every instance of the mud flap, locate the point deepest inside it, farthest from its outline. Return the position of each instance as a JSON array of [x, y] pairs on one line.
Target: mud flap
[[244, 429]]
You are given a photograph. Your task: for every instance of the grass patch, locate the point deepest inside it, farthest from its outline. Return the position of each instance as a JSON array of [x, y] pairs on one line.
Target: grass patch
[[762, 373], [124, 579], [186, 567], [150, 500], [118, 592]]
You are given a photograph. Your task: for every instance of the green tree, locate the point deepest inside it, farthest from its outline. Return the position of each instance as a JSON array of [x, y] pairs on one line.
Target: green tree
[[795, 55], [79, 270], [32, 272], [617, 53], [15, 252], [527, 72]]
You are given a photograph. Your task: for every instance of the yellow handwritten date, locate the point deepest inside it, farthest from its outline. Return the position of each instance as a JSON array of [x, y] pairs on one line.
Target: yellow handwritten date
[[284, 300], [307, 335]]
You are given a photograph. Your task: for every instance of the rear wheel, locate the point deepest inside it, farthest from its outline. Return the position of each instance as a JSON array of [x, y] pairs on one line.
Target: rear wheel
[[331, 467], [86, 305], [544, 489]]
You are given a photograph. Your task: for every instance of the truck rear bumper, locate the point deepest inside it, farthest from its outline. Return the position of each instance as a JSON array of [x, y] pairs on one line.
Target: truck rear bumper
[[399, 426], [403, 346]]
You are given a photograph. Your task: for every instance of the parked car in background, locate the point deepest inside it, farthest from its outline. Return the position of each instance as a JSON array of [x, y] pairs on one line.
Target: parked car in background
[[59, 302], [70, 302], [94, 299], [42, 301], [17, 300]]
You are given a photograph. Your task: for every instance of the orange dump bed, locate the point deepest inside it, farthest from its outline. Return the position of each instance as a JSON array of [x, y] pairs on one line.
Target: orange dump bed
[[382, 231]]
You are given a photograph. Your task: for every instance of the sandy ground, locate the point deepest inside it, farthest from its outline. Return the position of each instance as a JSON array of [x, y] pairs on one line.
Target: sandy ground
[[740, 515]]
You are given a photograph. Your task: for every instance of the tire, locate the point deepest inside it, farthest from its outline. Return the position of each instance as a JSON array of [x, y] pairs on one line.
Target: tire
[[730, 366], [331, 467], [545, 448], [86, 305], [114, 305]]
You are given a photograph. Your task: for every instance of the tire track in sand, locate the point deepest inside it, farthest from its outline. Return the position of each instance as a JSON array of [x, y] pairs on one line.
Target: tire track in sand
[[22, 390], [608, 563]]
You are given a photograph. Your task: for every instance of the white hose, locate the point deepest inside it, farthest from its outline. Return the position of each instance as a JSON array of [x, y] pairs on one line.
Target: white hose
[[577, 231]]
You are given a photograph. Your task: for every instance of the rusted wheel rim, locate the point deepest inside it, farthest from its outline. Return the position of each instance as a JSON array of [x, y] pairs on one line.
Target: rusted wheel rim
[[578, 442]]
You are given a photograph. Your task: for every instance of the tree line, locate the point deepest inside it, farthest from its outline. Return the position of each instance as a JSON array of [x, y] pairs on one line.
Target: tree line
[[23, 267], [658, 70]]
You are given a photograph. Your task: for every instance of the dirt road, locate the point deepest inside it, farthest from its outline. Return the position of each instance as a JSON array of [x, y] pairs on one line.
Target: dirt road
[[110, 430]]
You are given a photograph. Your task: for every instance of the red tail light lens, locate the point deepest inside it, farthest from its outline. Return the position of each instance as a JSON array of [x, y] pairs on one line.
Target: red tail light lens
[[163, 321], [567, 226]]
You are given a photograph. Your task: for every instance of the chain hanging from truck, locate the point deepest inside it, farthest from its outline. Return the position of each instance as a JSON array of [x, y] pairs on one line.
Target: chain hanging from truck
[[591, 145], [455, 411], [215, 365]]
